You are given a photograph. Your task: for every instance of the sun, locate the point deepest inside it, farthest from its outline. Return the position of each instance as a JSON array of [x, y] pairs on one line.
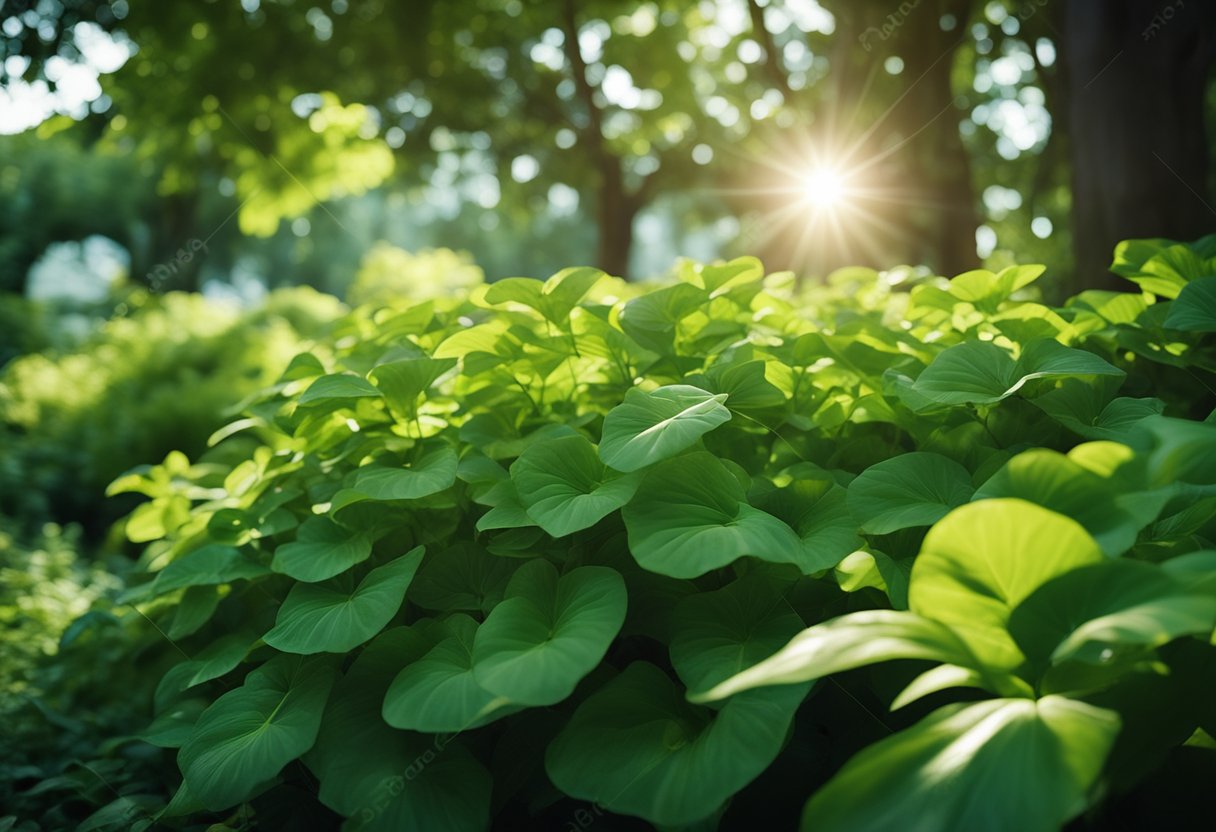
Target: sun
[[824, 188]]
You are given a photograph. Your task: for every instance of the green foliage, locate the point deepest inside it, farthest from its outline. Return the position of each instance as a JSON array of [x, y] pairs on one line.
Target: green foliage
[[610, 539], [155, 379]]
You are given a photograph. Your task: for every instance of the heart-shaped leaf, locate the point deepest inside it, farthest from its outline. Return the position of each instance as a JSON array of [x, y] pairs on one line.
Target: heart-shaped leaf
[[972, 767], [689, 517], [565, 488], [548, 632], [330, 617], [636, 747], [908, 490], [650, 426], [983, 559], [322, 549], [249, 734], [438, 692]]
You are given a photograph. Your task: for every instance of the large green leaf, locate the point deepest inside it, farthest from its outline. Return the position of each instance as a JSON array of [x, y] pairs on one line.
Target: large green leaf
[[548, 632], [463, 577], [979, 372], [330, 617], [1058, 482], [565, 488], [915, 489], [810, 501], [1004, 765], [208, 565], [386, 780], [650, 426], [636, 747], [439, 692], [1091, 613], [844, 643], [689, 517], [717, 634], [321, 550], [1194, 310], [983, 559], [249, 734], [433, 473]]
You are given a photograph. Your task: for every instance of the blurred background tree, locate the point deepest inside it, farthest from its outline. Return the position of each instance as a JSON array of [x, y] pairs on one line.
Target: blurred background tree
[[292, 137]]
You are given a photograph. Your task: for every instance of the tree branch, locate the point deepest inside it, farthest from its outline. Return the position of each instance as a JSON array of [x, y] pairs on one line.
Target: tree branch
[[578, 67], [772, 58]]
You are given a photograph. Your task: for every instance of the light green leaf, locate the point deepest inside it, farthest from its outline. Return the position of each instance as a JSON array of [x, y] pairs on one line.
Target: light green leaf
[[908, 490], [403, 381], [983, 559], [715, 635], [438, 692], [1003, 765], [338, 388], [548, 632], [330, 618], [648, 427], [853, 640], [637, 748], [1061, 484], [249, 734], [689, 517], [565, 487]]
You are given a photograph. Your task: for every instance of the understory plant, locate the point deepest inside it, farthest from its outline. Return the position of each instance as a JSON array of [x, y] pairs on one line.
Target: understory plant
[[578, 551]]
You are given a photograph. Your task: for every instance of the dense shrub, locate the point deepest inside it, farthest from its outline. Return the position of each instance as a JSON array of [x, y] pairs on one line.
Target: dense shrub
[[579, 551], [157, 378]]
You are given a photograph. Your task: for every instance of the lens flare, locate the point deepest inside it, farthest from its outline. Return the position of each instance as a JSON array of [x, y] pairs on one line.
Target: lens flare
[[824, 188]]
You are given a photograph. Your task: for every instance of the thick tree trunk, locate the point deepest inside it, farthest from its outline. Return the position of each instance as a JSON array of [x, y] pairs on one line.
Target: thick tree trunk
[[1137, 76]]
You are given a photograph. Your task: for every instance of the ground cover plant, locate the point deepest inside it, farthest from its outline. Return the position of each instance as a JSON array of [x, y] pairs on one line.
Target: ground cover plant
[[896, 552]]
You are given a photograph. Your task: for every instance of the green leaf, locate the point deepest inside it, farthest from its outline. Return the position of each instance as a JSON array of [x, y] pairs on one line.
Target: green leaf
[[403, 381], [1090, 613], [330, 618], [434, 472], [1004, 765], [811, 502], [548, 632], [689, 517], [249, 734], [637, 748], [462, 577], [983, 559], [322, 549], [717, 634], [648, 427], [338, 388], [208, 565], [853, 640], [1194, 310], [386, 780], [1057, 482], [915, 489], [555, 299], [439, 692], [565, 487], [979, 372]]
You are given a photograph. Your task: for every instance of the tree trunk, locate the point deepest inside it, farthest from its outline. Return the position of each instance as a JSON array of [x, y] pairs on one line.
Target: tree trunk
[[1137, 75], [615, 214]]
